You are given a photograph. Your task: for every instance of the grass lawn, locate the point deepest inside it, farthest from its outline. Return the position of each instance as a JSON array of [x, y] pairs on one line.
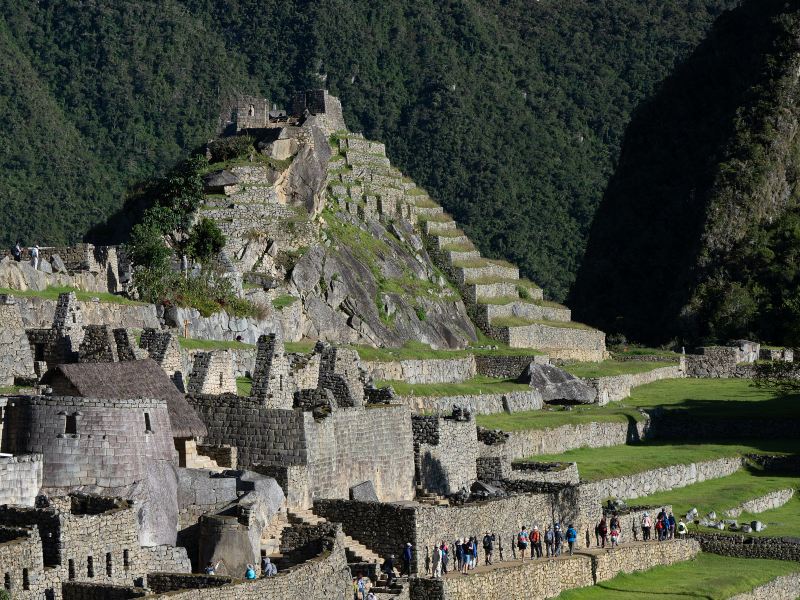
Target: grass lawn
[[53, 292], [783, 521], [557, 416], [613, 367], [643, 351], [476, 385], [709, 576], [243, 386], [720, 398], [283, 301], [11, 389], [522, 322], [615, 461], [193, 344], [417, 350]]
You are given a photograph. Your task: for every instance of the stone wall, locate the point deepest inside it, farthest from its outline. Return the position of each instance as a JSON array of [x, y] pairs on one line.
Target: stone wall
[[555, 440], [640, 557], [451, 370], [717, 362], [507, 367], [73, 590], [271, 382], [212, 373], [39, 312], [244, 360], [164, 348], [98, 345], [22, 276], [221, 326], [743, 546], [544, 472], [449, 464], [20, 478], [479, 404], [662, 479], [531, 580], [326, 576], [780, 588], [763, 503], [16, 359], [564, 342], [618, 387]]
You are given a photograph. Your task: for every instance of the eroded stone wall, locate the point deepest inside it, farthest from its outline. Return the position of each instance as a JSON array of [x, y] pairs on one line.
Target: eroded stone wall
[[20, 479], [16, 359], [640, 557], [780, 588], [453, 370], [478, 404], [449, 464]]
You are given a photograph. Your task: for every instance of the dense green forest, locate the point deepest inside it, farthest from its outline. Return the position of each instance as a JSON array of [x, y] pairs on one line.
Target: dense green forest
[[698, 235], [510, 112]]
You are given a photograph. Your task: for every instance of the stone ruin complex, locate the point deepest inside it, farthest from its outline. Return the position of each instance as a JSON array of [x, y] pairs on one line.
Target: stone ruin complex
[[129, 462]]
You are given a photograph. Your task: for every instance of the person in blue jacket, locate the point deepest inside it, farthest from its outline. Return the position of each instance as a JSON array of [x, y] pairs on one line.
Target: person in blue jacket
[[572, 537]]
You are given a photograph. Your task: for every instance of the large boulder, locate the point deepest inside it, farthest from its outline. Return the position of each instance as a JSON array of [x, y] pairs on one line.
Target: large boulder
[[556, 385]]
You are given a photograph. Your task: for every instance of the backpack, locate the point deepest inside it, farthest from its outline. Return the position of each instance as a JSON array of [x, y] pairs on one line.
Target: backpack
[[522, 537], [535, 537], [548, 536]]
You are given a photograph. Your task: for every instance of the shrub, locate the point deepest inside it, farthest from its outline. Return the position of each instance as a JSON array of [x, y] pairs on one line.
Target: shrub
[[230, 147], [206, 240]]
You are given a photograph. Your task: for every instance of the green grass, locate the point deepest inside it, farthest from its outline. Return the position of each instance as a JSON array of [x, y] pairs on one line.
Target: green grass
[[729, 492], [438, 218], [783, 521], [53, 292], [418, 350], [615, 461], [558, 416], [718, 398], [470, 263], [706, 577], [301, 347], [283, 301], [476, 385], [11, 389], [642, 351], [522, 321], [244, 385], [194, 344], [425, 203], [611, 367]]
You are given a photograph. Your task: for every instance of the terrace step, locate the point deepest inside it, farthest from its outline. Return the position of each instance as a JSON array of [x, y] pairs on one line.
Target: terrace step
[[461, 255], [426, 211], [467, 274], [303, 516], [570, 343], [432, 227], [451, 239], [525, 310], [500, 289]]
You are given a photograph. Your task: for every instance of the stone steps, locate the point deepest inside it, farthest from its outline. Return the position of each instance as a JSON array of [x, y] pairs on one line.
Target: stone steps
[[500, 289], [355, 550]]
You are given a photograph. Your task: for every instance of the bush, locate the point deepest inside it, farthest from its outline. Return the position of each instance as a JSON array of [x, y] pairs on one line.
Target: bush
[[206, 240], [230, 147]]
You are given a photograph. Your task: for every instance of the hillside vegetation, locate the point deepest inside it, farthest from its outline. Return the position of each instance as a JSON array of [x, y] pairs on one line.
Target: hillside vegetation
[[698, 234], [509, 112]]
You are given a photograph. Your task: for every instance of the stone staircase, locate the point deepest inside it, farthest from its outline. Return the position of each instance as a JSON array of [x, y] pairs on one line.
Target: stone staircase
[[505, 307]]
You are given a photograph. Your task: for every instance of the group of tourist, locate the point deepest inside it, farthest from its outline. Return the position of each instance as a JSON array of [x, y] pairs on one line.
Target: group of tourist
[[16, 253], [268, 569], [665, 527]]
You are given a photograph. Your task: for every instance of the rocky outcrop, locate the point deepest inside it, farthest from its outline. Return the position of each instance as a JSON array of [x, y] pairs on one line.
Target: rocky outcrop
[[556, 385]]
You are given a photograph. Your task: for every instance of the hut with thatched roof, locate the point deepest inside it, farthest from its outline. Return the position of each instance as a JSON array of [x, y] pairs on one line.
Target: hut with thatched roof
[[221, 182]]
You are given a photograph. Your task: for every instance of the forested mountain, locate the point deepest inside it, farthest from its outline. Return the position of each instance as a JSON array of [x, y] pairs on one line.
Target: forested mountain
[[511, 112], [698, 235]]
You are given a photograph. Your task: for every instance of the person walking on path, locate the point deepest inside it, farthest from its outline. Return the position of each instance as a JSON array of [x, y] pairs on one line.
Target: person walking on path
[[681, 529], [536, 542], [614, 537], [671, 523], [466, 549], [436, 563], [559, 539], [363, 586], [647, 523], [572, 537], [445, 557], [549, 542], [407, 554], [35, 257], [522, 541], [488, 543], [603, 529], [16, 252]]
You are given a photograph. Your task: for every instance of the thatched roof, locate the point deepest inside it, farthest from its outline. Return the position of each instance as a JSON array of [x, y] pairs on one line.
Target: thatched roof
[[128, 380], [220, 179]]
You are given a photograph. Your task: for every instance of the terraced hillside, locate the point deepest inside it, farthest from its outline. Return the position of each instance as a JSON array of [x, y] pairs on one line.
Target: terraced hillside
[[363, 182]]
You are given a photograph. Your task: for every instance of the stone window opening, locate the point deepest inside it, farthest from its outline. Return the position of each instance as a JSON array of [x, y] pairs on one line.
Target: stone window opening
[[71, 569], [126, 559], [74, 318], [26, 582], [71, 425], [7, 581], [89, 566], [147, 427], [38, 352], [109, 565], [280, 386], [220, 381]]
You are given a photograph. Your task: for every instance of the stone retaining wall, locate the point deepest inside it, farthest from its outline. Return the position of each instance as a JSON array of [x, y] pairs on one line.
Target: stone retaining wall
[[662, 479], [449, 370], [742, 546], [562, 342], [478, 404], [640, 557], [786, 587], [618, 387], [555, 440], [565, 473], [763, 503], [221, 326], [39, 312], [244, 360], [507, 367]]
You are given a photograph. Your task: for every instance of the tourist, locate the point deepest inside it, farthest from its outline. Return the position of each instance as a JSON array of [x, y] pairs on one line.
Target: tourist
[[427, 561], [362, 587], [407, 554], [671, 521], [602, 527], [211, 568], [597, 534], [647, 523], [474, 552], [660, 528], [388, 568], [372, 596], [16, 252], [614, 523], [459, 551], [635, 530], [268, 568], [355, 589], [437, 562], [615, 535], [588, 539], [466, 550], [572, 537], [558, 539], [250, 572], [488, 542], [681, 529], [522, 541], [35, 256], [536, 542], [549, 542], [500, 547]]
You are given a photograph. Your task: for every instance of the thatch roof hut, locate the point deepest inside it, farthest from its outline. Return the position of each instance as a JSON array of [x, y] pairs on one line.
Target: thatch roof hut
[[124, 381]]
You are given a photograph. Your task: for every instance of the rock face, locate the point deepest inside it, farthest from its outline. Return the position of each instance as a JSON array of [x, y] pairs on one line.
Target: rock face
[[557, 385]]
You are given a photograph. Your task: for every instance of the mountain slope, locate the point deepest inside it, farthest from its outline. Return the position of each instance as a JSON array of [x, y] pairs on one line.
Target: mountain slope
[[694, 237], [511, 112]]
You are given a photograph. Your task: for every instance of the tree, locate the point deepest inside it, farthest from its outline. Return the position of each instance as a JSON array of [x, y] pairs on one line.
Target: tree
[[781, 376]]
